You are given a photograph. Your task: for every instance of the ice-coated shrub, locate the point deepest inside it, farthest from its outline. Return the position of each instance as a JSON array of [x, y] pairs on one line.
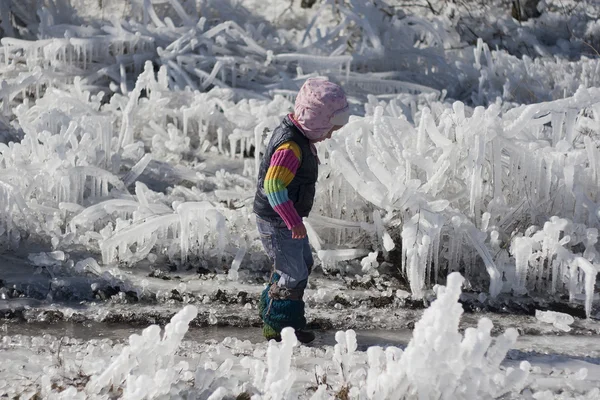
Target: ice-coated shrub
[[143, 139]]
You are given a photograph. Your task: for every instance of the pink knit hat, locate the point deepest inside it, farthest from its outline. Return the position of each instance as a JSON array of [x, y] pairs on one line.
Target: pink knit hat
[[320, 105]]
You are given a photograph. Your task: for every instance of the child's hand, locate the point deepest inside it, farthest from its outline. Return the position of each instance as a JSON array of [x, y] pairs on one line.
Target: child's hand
[[299, 231]]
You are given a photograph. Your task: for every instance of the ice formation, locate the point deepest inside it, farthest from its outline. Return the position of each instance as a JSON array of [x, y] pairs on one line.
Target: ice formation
[[456, 201], [136, 137], [146, 368], [122, 125], [458, 367], [559, 320]]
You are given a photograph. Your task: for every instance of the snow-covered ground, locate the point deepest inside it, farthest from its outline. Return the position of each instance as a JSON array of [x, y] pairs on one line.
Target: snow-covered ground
[[130, 135]]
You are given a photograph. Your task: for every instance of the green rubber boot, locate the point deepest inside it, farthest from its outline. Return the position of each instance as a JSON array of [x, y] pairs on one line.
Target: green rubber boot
[[280, 308]]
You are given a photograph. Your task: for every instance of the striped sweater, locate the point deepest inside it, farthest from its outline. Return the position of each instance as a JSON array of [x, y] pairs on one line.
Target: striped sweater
[[282, 170]]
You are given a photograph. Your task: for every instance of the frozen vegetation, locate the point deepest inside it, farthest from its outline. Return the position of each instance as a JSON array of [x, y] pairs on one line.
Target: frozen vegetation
[[131, 132], [140, 140]]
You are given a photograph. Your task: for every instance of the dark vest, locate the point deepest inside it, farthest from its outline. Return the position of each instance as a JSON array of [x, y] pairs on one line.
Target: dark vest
[[302, 188]]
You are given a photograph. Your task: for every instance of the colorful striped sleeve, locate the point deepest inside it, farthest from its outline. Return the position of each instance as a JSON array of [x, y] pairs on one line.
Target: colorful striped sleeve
[[284, 164]]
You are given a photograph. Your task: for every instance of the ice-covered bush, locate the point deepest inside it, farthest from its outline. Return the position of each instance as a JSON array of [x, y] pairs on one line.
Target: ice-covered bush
[[184, 105], [146, 368], [439, 362], [370, 47], [64, 182], [464, 182]]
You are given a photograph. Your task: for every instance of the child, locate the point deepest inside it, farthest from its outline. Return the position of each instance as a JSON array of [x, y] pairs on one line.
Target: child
[[285, 194]]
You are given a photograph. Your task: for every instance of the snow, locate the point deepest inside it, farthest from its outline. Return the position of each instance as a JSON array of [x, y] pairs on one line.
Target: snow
[[131, 134]]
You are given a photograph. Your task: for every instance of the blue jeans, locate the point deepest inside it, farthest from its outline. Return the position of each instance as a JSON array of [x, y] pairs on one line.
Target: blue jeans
[[292, 257]]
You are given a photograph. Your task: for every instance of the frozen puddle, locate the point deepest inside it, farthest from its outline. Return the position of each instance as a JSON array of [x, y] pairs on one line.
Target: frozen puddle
[[120, 333], [578, 346]]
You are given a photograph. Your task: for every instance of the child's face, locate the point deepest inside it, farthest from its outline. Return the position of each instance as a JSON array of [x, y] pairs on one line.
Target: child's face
[[328, 136]]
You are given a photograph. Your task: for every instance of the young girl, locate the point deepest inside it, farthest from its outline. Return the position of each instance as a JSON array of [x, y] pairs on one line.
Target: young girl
[[285, 194]]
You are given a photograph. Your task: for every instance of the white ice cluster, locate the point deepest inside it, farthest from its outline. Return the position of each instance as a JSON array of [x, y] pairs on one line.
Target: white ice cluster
[[470, 185], [372, 48], [137, 138], [558, 319], [439, 362], [146, 368], [72, 179], [63, 182]]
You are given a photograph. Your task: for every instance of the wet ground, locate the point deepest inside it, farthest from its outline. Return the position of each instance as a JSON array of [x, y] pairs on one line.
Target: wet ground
[[59, 302], [574, 346]]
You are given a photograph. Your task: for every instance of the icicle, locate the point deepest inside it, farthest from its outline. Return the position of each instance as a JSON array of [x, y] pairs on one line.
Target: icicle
[[235, 265], [233, 75], [233, 139], [123, 85], [220, 140], [522, 248], [557, 121], [137, 170], [591, 271], [209, 80], [571, 116]]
